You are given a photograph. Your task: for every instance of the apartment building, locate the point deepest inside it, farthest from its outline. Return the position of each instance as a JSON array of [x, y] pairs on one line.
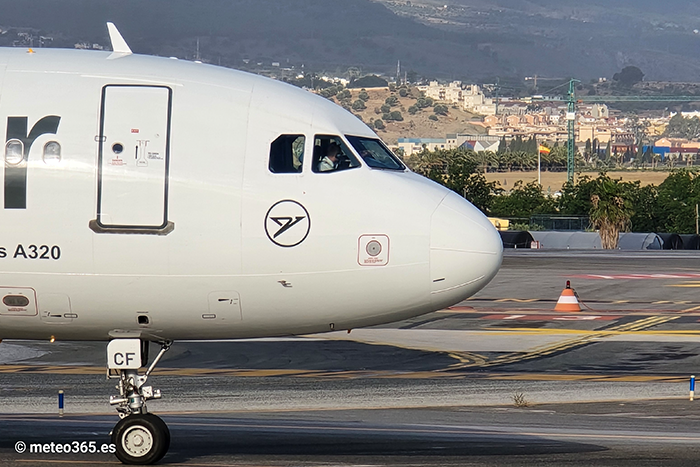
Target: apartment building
[[469, 97]]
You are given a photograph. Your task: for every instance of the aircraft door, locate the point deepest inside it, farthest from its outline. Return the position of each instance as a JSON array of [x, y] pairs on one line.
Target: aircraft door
[[134, 152]]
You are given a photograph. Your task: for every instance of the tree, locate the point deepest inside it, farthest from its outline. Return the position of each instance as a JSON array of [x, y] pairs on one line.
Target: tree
[[456, 169], [629, 76], [396, 116], [677, 197], [359, 104], [523, 201], [345, 94], [681, 127], [502, 145], [379, 124], [385, 108], [611, 209], [440, 109], [575, 199], [645, 205], [433, 117], [369, 81], [589, 149], [363, 95], [412, 110], [391, 101], [403, 92], [424, 102], [330, 91], [531, 145], [516, 144], [640, 129]]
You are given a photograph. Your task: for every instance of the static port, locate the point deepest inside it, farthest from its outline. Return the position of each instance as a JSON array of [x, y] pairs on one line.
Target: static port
[[117, 148]]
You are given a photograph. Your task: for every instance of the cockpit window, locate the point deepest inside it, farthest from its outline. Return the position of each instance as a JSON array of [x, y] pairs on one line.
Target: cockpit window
[[287, 154], [375, 154], [331, 154]]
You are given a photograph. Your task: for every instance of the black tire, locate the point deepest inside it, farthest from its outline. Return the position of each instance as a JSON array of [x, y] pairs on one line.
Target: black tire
[[166, 432], [141, 439]]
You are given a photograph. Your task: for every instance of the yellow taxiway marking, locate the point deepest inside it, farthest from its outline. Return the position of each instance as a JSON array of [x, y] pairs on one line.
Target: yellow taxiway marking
[[469, 310], [466, 358], [685, 284], [582, 339], [695, 308], [517, 300], [671, 302], [581, 331], [469, 360], [95, 370]]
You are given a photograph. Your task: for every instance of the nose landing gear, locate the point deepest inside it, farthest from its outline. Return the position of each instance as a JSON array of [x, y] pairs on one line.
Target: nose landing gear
[[140, 437]]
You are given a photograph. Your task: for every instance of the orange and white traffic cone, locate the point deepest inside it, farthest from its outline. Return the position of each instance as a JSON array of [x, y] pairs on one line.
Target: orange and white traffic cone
[[567, 300]]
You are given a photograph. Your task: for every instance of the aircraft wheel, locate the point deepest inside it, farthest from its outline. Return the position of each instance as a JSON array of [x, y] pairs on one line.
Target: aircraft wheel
[[141, 439]]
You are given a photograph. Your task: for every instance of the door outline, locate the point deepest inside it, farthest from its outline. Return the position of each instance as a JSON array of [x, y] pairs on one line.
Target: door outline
[[96, 224]]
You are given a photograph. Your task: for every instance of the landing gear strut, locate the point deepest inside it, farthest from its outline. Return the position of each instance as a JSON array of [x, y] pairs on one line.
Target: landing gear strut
[[140, 437]]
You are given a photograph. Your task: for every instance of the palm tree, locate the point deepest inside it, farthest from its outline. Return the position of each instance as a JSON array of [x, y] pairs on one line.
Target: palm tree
[[611, 211], [487, 159]]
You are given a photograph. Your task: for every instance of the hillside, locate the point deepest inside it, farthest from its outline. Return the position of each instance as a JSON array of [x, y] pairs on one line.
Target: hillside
[[564, 38], [311, 35], [420, 124], [471, 40]]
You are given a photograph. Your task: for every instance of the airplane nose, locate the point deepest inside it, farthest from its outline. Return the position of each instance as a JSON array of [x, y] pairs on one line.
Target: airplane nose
[[465, 251]]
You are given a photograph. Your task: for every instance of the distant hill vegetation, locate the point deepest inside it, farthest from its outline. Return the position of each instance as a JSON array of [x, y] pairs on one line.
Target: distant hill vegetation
[[469, 40], [318, 34], [369, 81], [564, 38]]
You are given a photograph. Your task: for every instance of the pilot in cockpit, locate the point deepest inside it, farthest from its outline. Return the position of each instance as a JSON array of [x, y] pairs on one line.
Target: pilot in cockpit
[[330, 160]]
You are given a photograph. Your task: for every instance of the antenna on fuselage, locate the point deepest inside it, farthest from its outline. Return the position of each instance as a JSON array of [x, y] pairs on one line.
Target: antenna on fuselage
[[119, 46]]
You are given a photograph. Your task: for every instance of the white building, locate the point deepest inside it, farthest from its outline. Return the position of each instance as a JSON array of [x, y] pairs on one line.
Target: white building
[[476, 143], [469, 97]]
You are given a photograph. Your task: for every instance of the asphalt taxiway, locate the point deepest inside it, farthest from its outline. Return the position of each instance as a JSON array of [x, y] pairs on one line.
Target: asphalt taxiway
[[648, 434], [605, 386]]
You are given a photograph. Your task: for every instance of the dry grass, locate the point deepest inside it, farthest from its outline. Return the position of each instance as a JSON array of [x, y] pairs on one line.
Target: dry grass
[[418, 125], [555, 180], [519, 400]]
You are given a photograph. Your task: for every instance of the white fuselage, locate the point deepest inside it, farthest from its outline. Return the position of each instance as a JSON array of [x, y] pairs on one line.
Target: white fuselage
[[154, 220]]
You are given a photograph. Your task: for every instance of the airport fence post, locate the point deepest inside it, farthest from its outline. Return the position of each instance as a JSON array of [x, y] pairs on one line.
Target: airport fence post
[[60, 403], [692, 387]]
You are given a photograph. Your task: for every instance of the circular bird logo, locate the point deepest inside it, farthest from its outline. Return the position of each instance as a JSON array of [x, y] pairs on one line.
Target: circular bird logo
[[287, 223]]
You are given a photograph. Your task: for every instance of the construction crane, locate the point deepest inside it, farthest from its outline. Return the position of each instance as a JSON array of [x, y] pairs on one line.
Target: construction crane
[[571, 130], [571, 115]]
